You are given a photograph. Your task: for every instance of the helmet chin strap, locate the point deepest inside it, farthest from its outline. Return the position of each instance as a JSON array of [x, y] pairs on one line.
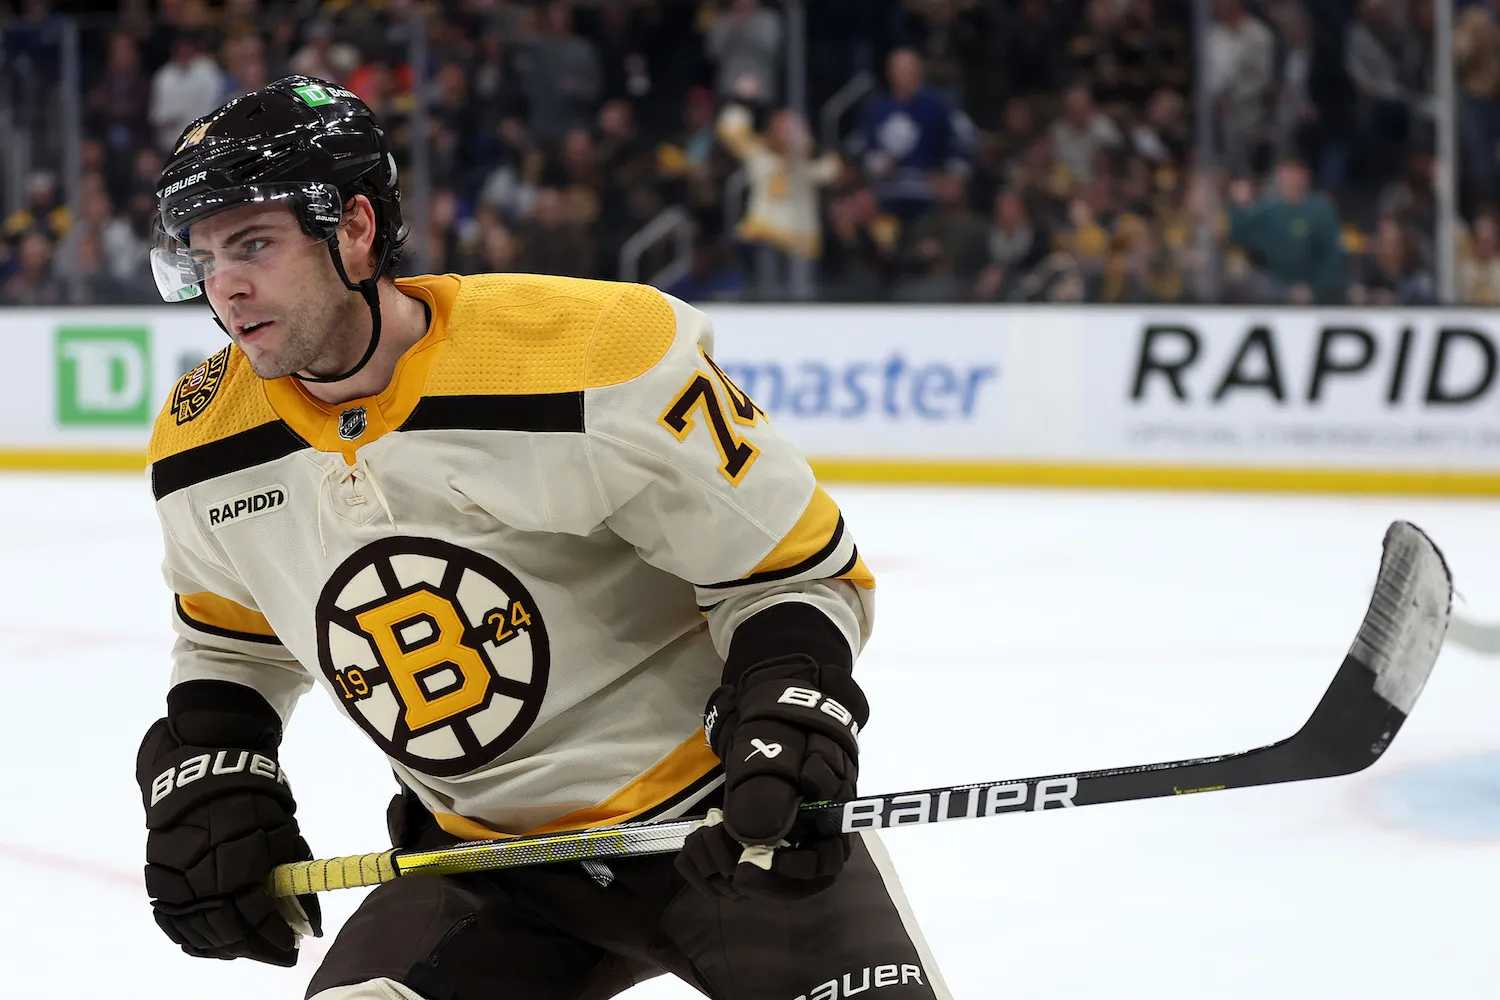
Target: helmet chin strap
[[369, 289]]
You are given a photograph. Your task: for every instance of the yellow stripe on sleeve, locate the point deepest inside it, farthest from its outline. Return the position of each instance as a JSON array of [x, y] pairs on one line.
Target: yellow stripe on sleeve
[[809, 536], [814, 537], [220, 616], [859, 574]]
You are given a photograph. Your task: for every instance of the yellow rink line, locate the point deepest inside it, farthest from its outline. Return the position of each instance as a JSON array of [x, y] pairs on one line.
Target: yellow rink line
[[73, 461], [1074, 474], [1164, 477]]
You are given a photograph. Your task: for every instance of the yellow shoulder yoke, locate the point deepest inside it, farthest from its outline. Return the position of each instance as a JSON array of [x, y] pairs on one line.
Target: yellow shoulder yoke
[[219, 398], [522, 334]]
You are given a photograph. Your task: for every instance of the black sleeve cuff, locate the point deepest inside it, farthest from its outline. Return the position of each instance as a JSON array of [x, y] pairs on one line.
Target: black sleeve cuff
[[785, 628], [222, 714]]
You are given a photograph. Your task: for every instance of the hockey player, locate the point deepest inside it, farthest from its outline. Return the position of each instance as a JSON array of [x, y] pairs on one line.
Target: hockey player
[[543, 552]]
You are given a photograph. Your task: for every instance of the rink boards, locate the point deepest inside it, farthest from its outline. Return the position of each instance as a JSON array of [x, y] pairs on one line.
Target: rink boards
[[1390, 400]]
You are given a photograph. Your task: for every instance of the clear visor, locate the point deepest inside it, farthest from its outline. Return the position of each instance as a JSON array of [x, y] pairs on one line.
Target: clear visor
[[237, 233]]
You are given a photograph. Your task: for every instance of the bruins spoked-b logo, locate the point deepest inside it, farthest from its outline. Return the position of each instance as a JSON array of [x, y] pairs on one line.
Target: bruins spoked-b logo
[[194, 137], [197, 388], [439, 653]]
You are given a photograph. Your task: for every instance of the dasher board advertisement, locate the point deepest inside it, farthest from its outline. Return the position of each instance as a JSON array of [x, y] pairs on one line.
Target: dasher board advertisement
[[1379, 389], [1091, 396]]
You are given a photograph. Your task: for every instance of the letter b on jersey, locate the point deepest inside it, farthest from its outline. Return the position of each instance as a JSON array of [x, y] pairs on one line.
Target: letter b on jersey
[[418, 633], [437, 651]]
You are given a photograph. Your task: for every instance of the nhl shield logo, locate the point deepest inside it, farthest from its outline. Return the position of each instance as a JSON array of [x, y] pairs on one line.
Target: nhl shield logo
[[352, 423], [197, 388]]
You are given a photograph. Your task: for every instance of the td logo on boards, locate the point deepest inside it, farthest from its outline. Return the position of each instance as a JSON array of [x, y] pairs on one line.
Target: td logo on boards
[[103, 375]]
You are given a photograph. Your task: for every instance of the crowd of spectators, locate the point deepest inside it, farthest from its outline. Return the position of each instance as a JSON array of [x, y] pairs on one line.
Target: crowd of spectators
[[1476, 59], [1006, 150]]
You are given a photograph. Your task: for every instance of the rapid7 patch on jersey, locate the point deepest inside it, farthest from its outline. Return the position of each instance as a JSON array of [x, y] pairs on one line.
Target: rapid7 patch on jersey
[[700, 398]]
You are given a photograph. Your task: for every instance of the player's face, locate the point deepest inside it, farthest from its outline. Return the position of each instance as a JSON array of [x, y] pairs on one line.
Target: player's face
[[277, 291]]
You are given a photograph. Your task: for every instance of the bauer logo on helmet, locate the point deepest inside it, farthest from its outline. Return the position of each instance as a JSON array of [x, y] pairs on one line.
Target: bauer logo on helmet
[[186, 182]]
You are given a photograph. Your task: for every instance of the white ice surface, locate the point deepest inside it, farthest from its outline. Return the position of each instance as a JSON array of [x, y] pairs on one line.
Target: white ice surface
[[1018, 633]]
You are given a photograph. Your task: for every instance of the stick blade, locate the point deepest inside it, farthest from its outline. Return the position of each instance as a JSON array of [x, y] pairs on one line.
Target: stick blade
[[1383, 674], [1406, 622]]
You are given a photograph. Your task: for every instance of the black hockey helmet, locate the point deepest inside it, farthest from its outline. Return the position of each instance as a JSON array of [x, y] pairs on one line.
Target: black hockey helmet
[[300, 141]]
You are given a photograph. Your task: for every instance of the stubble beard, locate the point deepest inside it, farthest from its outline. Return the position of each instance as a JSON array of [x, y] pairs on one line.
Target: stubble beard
[[316, 340]]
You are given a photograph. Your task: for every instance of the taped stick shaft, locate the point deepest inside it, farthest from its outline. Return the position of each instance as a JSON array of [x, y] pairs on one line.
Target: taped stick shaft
[[1352, 726], [362, 870], [352, 872]]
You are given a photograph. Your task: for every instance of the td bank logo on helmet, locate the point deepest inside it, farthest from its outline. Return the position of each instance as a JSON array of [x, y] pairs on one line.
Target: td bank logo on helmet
[[186, 182], [315, 95]]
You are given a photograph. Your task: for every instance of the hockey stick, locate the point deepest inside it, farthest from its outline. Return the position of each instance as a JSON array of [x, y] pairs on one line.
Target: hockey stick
[[1356, 720], [1474, 636]]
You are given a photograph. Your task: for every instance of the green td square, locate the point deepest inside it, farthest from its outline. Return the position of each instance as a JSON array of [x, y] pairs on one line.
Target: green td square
[[103, 375], [313, 95]]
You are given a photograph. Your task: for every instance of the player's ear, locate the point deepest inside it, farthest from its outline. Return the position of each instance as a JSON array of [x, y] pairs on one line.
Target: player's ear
[[357, 237]]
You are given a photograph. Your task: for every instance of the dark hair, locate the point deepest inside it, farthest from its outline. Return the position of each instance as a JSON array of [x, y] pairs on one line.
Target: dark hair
[[395, 257], [393, 237]]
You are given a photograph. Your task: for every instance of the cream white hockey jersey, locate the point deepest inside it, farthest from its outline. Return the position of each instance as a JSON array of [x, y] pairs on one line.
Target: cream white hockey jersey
[[518, 568]]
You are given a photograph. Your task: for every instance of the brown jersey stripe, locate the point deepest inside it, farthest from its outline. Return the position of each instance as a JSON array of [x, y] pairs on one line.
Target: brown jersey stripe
[[814, 538], [857, 573], [854, 570], [816, 534], [220, 616], [229, 398], [557, 412], [322, 425], [800, 569], [244, 450], [688, 794], [686, 764], [690, 763]]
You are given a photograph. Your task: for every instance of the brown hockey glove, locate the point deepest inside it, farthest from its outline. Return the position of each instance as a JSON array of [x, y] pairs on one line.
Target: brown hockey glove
[[219, 818], [787, 733]]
